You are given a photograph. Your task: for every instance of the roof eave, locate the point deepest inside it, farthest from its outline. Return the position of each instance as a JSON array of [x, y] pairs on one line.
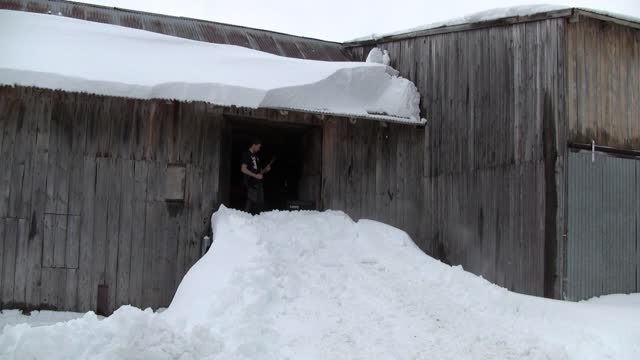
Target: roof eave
[[608, 18], [554, 14]]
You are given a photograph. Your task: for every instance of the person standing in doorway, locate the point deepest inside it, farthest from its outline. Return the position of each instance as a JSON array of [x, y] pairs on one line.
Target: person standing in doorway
[[253, 176]]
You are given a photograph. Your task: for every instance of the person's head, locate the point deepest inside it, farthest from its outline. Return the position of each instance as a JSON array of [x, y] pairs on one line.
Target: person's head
[[256, 144]]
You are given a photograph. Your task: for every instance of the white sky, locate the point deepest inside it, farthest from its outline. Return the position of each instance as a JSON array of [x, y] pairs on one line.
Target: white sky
[[341, 20]]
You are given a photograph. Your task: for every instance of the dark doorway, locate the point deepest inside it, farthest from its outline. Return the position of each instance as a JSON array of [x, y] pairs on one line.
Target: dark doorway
[[295, 179]]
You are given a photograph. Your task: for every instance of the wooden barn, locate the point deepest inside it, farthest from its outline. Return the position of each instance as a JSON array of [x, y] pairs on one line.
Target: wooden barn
[[106, 200], [525, 173], [530, 155]]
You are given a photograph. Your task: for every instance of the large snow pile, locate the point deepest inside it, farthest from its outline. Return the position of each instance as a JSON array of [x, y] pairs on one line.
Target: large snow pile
[[55, 52], [311, 285]]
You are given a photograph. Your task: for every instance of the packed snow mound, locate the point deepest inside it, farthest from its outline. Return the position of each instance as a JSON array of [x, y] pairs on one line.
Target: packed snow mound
[[311, 285], [55, 52]]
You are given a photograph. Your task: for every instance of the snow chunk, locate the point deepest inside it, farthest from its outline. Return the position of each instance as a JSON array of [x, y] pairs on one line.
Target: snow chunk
[[379, 56], [74, 55]]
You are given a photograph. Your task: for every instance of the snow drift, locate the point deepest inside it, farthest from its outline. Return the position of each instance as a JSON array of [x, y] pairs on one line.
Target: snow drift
[[55, 52], [309, 285]]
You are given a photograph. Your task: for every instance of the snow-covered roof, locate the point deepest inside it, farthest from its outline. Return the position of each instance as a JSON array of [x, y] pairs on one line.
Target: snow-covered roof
[[55, 52], [497, 14], [195, 29]]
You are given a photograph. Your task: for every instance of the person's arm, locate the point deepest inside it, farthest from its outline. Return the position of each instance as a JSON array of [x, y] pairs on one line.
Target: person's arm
[[248, 172]]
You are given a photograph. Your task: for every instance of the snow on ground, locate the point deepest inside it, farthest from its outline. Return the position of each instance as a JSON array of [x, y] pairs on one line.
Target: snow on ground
[[35, 318], [495, 14], [310, 285], [632, 300], [55, 52]]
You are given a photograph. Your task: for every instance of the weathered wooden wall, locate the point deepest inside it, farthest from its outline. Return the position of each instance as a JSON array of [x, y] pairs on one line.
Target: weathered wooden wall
[[603, 84], [374, 171], [83, 190], [494, 147]]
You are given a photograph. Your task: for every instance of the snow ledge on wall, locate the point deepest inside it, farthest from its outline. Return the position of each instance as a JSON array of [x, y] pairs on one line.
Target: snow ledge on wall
[[491, 15]]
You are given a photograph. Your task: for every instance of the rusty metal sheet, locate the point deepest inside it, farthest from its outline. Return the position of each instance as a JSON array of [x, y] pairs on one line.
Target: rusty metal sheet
[[289, 49], [265, 43], [10, 5], [201, 30], [237, 37], [213, 34]]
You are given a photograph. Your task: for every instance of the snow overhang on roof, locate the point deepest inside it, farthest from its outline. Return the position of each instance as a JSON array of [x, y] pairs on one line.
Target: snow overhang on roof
[[54, 52], [496, 17]]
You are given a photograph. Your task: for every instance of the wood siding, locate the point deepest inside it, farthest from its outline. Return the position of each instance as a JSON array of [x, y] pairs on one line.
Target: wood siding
[[494, 148], [82, 197], [373, 171], [603, 84]]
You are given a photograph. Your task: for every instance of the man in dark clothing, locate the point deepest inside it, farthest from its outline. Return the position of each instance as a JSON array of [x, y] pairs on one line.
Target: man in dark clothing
[[253, 175]]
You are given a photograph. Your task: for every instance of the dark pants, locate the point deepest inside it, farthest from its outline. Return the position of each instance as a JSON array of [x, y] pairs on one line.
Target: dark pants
[[255, 199]]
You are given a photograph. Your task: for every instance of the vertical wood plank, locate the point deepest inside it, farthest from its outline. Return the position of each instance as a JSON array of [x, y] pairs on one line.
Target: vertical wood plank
[[138, 235], [127, 206], [113, 224], [152, 219], [6, 155], [39, 199], [2, 241], [9, 264], [72, 255], [59, 223], [87, 285], [172, 216], [22, 248], [71, 289], [100, 233], [48, 240], [22, 174]]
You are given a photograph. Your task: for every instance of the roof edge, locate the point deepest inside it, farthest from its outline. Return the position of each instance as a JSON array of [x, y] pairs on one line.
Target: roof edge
[[607, 17], [511, 20]]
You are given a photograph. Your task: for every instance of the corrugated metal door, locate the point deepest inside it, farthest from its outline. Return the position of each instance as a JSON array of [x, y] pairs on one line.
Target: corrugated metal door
[[603, 207]]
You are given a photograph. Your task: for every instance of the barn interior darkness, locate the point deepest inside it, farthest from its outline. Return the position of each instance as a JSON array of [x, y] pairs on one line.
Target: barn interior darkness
[[285, 143]]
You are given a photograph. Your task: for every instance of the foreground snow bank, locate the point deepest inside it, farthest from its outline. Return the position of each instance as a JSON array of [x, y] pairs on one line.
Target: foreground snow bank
[[311, 285], [632, 300], [35, 318], [54, 52]]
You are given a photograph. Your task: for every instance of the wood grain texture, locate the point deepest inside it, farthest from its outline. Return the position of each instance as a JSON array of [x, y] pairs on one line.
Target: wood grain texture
[[491, 175], [603, 81]]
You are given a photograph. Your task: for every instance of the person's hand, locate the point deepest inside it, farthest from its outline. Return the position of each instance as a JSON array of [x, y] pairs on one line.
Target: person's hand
[[267, 169], [259, 176]]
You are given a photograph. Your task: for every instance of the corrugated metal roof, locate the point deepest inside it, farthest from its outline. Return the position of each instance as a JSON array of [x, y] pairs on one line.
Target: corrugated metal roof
[[201, 30]]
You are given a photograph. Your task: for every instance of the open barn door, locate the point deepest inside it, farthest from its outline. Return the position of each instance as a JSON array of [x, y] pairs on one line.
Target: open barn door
[[295, 179]]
